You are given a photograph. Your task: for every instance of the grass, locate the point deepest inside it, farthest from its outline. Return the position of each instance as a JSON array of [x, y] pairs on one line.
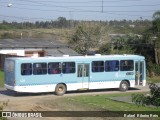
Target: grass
[[155, 79], [105, 102], [99, 103], [1, 79], [58, 34]]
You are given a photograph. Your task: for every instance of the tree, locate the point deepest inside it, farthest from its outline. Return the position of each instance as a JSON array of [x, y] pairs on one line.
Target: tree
[[156, 22], [105, 49], [62, 22], [124, 44], [156, 35], [85, 37]]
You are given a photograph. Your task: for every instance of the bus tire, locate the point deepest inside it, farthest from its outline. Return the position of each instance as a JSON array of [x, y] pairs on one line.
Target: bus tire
[[60, 89], [123, 86]]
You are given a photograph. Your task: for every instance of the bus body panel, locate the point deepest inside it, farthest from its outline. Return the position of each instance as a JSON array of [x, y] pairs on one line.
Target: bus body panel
[[9, 73], [78, 80]]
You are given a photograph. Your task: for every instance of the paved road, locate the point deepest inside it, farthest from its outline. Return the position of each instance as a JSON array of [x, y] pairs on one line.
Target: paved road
[[29, 102], [5, 94]]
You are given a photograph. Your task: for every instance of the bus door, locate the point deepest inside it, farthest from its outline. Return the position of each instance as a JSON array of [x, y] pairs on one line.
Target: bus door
[[83, 74], [139, 72]]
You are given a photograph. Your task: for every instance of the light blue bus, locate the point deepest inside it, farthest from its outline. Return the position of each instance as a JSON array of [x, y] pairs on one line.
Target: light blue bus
[[68, 73]]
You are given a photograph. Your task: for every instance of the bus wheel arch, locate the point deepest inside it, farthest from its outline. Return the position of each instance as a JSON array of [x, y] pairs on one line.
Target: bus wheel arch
[[124, 85], [60, 89]]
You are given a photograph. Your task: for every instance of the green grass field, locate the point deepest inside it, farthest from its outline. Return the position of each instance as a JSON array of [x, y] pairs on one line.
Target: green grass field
[[105, 102], [1, 79]]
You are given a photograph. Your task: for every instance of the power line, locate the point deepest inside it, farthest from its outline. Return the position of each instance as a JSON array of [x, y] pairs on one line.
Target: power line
[[24, 18], [133, 5], [40, 3], [81, 10], [51, 5], [136, 5], [121, 0], [32, 18], [74, 8], [68, 2], [127, 14]]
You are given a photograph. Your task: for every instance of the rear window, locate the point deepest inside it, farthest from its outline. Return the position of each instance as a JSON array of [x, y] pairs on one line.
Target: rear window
[[9, 66]]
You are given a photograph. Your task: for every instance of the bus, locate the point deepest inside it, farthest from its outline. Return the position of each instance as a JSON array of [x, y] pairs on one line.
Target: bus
[[69, 73]]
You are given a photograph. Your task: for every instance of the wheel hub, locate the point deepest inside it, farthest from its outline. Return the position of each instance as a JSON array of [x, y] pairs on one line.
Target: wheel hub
[[60, 89], [124, 86]]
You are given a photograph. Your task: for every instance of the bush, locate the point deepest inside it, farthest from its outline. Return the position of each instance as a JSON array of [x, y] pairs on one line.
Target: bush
[[6, 35], [2, 105], [153, 70], [152, 99]]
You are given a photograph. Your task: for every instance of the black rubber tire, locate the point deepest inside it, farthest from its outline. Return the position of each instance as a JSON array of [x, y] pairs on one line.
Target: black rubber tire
[[60, 89], [123, 86]]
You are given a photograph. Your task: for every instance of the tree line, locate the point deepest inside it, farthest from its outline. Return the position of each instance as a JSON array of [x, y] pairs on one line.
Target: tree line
[[140, 37], [88, 37], [62, 22]]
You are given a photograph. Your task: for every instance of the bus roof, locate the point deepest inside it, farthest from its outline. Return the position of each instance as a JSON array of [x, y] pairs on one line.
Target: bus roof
[[67, 57]]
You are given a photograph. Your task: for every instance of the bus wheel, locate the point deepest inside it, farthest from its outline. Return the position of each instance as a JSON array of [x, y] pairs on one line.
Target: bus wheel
[[60, 89], [123, 86]]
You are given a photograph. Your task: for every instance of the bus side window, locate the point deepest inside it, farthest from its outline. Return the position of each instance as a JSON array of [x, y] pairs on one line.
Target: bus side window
[[26, 69], [112, 66], [98, 66], [54, 68], [126, 65], [39, 68], [68, 67]]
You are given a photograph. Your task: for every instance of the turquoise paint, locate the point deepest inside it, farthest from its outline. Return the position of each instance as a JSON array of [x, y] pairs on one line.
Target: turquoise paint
[[28, 80]]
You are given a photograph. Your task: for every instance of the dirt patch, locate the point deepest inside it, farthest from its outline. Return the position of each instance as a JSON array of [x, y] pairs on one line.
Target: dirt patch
[[48, 103], [51, 102]]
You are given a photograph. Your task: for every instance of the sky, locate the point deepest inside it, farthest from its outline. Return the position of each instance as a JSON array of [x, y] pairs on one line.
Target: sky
[[105, 10]]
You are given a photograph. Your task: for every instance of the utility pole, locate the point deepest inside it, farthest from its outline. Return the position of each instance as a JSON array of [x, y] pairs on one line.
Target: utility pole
[[102, 6]]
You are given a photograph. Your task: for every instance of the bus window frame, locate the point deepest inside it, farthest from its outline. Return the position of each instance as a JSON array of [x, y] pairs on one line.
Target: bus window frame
[[39, 70], [26, 70], [94, 67]]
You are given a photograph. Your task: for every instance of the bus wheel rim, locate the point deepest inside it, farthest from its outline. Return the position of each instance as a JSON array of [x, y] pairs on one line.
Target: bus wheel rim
[[124, 86], [60, 89]]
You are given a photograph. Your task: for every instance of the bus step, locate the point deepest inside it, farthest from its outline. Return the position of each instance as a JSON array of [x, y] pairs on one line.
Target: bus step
[[83, 89]]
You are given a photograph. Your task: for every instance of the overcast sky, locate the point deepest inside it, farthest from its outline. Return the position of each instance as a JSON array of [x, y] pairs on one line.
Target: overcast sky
[[34, 10]]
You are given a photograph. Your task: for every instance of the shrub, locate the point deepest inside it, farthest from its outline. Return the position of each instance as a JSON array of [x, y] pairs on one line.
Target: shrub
[[2, 105], [152, 99]]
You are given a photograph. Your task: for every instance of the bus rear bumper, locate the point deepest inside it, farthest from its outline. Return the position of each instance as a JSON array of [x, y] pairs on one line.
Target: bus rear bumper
[[9, 87]]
